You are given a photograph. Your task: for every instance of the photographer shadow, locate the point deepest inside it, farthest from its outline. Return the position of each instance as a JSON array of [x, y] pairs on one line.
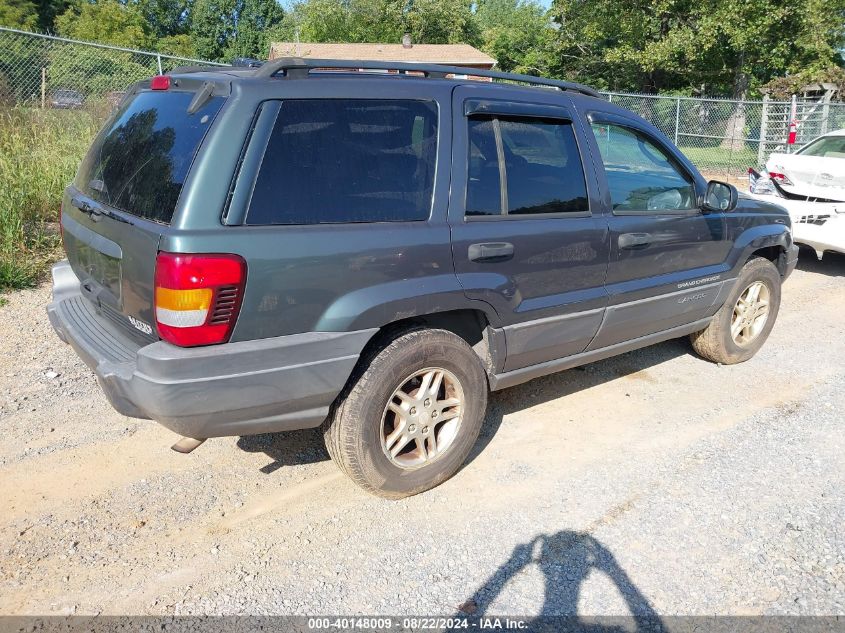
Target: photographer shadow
[[566, 559]]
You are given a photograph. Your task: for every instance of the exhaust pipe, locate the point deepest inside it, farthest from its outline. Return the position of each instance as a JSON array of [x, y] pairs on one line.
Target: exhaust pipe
[[187, 444]]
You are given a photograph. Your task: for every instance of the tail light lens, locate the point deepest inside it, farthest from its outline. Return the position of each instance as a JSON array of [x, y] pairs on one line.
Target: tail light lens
[[780, 178], [198, 297]]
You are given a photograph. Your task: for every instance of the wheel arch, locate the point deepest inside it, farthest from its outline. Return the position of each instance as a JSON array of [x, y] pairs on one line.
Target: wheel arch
[[470, 324]]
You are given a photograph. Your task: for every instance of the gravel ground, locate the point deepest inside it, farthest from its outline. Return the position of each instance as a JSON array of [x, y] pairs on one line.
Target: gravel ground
[[654, 482]]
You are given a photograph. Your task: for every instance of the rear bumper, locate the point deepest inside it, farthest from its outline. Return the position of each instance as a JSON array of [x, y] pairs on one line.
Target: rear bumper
[[819, 225], [262, 386]]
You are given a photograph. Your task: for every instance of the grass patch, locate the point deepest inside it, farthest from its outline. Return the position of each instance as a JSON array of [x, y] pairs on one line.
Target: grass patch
[[719, 158], [39, 153]]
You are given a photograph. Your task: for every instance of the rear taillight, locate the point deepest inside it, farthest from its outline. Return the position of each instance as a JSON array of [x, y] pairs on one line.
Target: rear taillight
[[197, 297], [780, 178]]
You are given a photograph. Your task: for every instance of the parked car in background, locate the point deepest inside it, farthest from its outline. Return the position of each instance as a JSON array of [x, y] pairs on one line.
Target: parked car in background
[[66, 99], [810, 184], [254, 251]]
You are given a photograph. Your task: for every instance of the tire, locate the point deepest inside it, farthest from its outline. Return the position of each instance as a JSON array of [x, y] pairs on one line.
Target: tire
[[717, 342], [365, 425]]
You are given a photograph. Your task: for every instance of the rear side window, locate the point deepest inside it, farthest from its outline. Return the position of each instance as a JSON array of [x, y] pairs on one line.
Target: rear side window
[[139, 161], [347, 160], [538, 161]]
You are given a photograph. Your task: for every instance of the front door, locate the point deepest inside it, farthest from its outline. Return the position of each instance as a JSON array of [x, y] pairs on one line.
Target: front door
[[668, 257], [525, 238]]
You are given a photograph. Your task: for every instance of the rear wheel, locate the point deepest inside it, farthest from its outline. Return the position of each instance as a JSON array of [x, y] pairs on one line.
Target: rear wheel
[[744, 322], [411, 415]]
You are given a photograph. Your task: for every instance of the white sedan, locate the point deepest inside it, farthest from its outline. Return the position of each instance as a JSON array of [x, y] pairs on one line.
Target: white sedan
[[810, 184]]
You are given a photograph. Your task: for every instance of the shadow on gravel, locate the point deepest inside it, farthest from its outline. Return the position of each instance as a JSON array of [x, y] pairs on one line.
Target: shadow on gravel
[[306, 447], [286, 449], [566, 559], [832, 265], [633, 365]]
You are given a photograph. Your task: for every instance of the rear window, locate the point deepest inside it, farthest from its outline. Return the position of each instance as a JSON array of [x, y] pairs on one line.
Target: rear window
[[827, 147], [139, 161], [347, 160]]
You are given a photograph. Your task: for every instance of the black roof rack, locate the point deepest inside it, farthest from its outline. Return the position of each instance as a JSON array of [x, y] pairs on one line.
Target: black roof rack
[[298, 67]]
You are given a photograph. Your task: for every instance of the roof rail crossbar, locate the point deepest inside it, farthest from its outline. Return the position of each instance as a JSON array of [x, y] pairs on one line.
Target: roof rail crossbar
[[298, 67]]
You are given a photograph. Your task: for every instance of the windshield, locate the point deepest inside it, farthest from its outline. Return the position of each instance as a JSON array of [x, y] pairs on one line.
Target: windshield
[[826, 147], [139, 161]]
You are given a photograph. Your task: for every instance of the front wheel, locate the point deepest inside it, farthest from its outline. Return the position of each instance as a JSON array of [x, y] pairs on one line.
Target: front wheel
[[411, 416], [741, 326]]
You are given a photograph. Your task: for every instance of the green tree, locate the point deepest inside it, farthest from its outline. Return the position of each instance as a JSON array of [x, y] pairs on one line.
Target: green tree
[[106, 22], [711, 46], [18, 14], [428, 21], [255, 19], [181, 45], [48, 11], [166, 18], [440, 22], [516, 33], [213, 27]]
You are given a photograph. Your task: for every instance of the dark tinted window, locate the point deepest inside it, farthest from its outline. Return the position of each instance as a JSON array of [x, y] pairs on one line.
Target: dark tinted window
[[640, 175], [544, 171], [483, 191], [338, 160], [540, 161], [139, 161]]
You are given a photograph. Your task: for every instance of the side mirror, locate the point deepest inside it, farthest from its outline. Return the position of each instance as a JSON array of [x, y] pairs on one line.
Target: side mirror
[[720, 197]]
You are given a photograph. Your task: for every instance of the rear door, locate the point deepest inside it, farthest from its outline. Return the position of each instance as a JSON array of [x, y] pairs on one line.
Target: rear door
[[124, 196], [668, 257], [524, 236]]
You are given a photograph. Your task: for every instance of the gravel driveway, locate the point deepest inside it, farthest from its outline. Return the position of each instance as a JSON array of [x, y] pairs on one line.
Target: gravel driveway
[[652, 482]]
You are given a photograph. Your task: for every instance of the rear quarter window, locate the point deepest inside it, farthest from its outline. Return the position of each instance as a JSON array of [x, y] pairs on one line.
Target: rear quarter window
[[139, 161], [347, 160]]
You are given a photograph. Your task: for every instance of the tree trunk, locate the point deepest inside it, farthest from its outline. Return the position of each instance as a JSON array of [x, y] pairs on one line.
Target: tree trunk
[[735, 129]]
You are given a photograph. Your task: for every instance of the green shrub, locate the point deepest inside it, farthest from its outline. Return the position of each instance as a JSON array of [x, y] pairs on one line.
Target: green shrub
[[39, 153]]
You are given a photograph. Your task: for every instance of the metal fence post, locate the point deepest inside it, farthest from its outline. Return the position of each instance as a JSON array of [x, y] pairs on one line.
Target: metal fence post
[[158, 60], [825, 112], [764, 129], [677, 117]]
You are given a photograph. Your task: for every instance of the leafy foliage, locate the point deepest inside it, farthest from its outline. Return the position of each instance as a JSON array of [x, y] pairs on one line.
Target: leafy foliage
[[706, 46], [18, 14], [427, 21], [106, 22], [39, 153], [783, 88]]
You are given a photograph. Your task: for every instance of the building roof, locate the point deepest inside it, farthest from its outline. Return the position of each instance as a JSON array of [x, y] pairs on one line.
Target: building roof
[[449, 54]]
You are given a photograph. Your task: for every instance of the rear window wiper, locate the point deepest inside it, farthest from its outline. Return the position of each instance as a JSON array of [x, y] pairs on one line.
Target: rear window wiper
[[95, 211]]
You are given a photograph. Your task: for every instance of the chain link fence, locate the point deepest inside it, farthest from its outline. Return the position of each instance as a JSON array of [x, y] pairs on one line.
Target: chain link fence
[[53, 72], [722, 137]]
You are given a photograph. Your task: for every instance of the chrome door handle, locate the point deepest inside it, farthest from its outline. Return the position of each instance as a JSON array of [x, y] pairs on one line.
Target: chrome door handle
[[490, 252], [634, 240]]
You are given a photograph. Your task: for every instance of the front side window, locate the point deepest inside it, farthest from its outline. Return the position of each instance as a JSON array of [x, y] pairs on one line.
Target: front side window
[[536, 158], [641, 176], [347, 160]]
